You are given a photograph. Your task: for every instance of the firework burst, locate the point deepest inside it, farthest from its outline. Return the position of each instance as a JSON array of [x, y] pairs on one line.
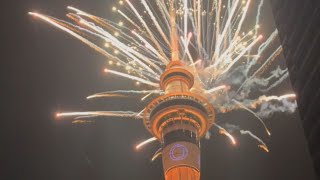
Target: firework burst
[[215, 40]]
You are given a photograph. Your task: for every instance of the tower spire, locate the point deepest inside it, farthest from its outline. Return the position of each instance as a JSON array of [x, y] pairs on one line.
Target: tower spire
[[173, 33]]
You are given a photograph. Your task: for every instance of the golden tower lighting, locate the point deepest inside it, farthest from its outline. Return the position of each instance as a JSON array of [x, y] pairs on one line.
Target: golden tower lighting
[[179, 119]]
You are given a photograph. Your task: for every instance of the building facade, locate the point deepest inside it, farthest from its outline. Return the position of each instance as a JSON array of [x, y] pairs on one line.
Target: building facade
[[298, 23]]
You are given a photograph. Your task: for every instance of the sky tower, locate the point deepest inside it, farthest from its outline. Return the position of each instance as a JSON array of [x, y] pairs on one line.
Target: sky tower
[[179, 119]]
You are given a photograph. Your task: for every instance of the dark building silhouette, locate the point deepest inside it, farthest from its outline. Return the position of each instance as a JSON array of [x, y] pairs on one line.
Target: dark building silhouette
[[298, 23]]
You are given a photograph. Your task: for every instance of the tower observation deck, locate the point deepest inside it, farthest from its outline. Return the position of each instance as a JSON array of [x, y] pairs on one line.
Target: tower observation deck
[[179, 119]]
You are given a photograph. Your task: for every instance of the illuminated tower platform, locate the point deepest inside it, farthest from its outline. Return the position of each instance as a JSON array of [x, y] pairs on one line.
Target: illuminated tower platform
[[179, 119]]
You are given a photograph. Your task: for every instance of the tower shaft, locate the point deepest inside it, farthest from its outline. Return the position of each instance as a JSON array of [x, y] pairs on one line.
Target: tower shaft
[[182, 173], [181, 154]]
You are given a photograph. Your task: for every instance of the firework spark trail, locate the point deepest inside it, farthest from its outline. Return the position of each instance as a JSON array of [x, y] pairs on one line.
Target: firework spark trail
[[132, 77], [128, 19], [157, 154], [229, 50], [146, 96], [261, 49], [92, 45], [270, 59], [185, 25], [258, 14], [196, 63], [55, 22], [283, 77], [83, 21], [242, 18], [276, 53], [139, 114], [85, 117], [264, 147], [155, 22], [278, 98], [198, 24], [124, 48], [215, 34], [82, 13], [186, 44], [164, 12], [82, 122], [105, 96], [128, 92], [148, 30], [241, 54], [78, 11], [222, 35], [145, 48], [84, 40], [140, 145], [223, 131], [209, 26], [255, 33], [96, 19], [162, 21], [149, 46], [206, 34], [249, 110], [216, 89], [77, 29], [100, 113], [275, 74], [73, 17], [262, 144], [153, 57], [120, 31], [265, 44]]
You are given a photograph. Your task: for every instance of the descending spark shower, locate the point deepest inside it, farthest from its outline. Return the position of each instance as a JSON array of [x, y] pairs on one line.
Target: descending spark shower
[[231, 60]]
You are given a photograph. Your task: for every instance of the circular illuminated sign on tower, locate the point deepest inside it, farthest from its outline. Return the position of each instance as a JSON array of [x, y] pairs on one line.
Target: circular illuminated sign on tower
[[178, 152]]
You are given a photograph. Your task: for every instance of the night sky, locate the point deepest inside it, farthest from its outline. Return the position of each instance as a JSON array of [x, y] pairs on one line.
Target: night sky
[[45, 71]]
